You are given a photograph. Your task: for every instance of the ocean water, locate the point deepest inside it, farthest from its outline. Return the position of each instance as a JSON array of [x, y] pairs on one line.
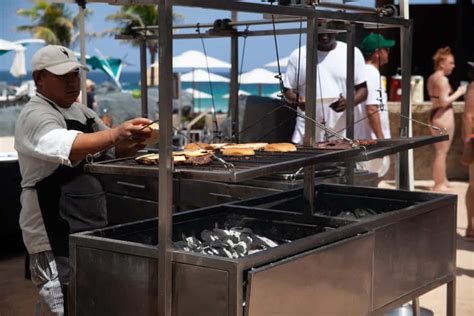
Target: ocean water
[[130, 81]]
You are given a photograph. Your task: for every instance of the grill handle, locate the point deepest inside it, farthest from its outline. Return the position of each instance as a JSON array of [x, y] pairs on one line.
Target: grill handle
[[132, 185]]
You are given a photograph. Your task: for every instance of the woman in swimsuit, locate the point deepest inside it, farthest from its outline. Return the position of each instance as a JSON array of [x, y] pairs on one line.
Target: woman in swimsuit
[[468, 151], [442, 113]]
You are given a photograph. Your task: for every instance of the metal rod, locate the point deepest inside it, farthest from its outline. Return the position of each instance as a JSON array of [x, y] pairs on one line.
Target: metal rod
[[143, 78], [82, 40], [242, 34], [165, 173], [350, 90], [405, 124], [347, 7], [310, 94], [296, 11], [233, 93], [197, 36], [232, 23], [451, 296], [415, 307]]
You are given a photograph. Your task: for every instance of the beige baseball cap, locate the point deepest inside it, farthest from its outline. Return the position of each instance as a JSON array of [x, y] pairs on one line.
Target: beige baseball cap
[[56, 59]]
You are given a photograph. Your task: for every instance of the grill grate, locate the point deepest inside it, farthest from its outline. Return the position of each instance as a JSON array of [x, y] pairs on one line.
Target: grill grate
[[265, 163]]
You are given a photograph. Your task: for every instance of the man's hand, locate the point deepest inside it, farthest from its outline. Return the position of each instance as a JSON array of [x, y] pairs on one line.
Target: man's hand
[[132, 129], [131, 134], [301, 103], [339, 105], [290, 97]]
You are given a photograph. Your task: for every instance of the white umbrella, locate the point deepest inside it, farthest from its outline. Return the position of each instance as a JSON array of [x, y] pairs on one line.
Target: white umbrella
[[258, 76], [197, 94], [274, 64], [196, 59], [199, 75], [18, 68], [241, 92]]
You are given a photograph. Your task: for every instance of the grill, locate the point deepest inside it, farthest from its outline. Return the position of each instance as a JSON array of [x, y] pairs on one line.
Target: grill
[[264, 163], [323, 262]]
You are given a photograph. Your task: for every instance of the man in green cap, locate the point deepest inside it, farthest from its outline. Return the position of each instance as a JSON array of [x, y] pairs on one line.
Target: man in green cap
[[376, 49]]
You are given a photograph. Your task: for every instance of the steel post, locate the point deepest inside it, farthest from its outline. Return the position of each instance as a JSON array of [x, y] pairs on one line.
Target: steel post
[[350, 89], [143, 78], [310, 94], [405, 124], [234, 93], [165, 178], [82, 43]]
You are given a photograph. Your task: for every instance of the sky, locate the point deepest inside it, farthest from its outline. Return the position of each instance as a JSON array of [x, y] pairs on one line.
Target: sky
[[259, 50]]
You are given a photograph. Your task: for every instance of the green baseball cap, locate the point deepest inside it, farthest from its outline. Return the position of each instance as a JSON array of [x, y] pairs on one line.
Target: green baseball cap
[[374, 41]]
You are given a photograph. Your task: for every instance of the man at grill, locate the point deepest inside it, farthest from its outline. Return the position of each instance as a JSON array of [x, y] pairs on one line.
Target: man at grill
[[331, 85], [53, 136]]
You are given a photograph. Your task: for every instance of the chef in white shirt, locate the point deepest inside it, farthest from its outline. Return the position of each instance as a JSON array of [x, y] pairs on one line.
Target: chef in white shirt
[[331, 83], [373, 123]]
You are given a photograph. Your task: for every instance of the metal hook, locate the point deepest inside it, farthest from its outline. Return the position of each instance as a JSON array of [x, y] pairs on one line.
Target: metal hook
[[90, 158], [294, 175]]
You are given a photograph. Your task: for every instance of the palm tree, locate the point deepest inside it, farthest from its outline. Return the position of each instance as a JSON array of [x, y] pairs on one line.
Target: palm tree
[[52, 22], [131, 16]]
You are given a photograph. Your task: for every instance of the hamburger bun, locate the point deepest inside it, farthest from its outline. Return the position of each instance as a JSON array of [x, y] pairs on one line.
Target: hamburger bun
[[219, 145], [155, 135], [148, 159], [280, 147], [254, 146], [196, 146], [242, 151], [178, 159], [195, 153], [153, 159]]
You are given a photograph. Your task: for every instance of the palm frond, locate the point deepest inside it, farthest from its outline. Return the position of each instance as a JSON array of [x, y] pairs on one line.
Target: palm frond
[[47, 34], [32, 14], [65, 22], [25, 28]]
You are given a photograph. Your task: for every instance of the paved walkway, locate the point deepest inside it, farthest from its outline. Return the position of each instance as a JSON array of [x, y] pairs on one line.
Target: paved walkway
[[436, 299]]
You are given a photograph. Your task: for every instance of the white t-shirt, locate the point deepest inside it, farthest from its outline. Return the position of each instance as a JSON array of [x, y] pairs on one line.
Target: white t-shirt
[[331, 83], [43, 144], [362, 129]]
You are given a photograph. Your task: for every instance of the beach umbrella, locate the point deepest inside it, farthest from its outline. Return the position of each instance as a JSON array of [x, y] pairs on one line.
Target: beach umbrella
[[197, 94], [258, 76], [199, 75], [112, 67], [274, 64], [195, 59], [241, 92], [18, 68]]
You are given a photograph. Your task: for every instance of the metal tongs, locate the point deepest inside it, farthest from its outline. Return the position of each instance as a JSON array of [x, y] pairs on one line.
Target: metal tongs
[[227, 165], [90, 157]]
